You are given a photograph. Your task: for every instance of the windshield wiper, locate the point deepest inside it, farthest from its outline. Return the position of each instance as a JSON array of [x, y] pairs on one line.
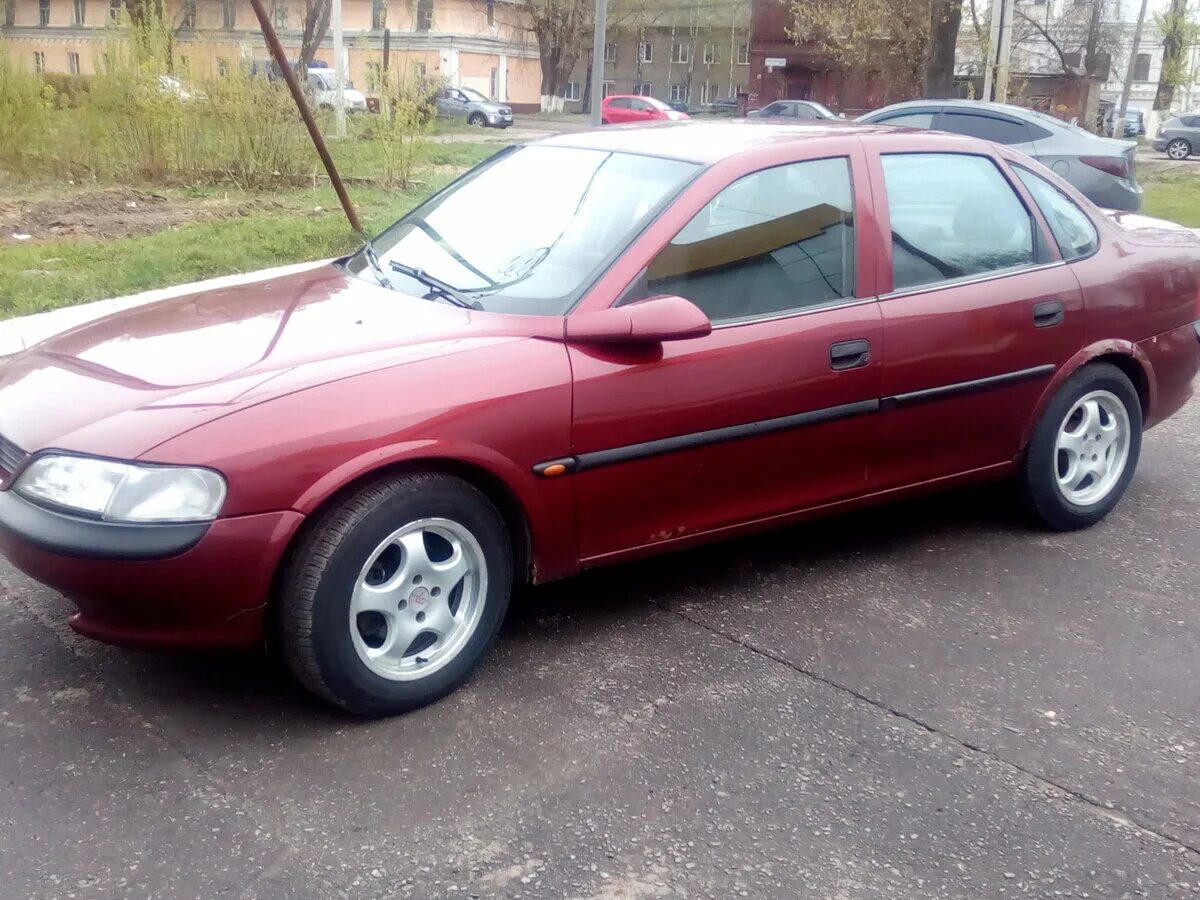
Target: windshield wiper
[[372, 259], [448, 291]]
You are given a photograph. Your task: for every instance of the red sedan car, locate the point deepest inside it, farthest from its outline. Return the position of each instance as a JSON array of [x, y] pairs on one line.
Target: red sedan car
[[588, 349], [621, 108]]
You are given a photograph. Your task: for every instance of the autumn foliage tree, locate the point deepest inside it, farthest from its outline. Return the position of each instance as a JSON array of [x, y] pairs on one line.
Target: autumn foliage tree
[[866, 35]]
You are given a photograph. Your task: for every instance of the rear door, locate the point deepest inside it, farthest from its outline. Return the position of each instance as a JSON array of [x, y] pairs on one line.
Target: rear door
[[981, 312]]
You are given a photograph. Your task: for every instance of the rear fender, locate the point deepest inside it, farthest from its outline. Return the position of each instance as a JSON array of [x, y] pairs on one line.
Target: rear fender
[[1111, 347]]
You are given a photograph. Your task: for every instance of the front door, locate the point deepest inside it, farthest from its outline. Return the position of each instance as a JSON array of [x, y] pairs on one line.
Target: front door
[[770, 413], [981, 314]]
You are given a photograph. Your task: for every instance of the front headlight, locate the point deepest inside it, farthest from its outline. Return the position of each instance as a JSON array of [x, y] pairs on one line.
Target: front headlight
[[124, 492]]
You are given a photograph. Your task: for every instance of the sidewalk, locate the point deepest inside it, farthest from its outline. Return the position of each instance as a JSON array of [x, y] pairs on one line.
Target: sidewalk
[[23, 331]]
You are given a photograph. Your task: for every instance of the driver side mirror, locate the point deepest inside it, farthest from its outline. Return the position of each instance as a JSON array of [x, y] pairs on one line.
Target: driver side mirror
[[663, 318]]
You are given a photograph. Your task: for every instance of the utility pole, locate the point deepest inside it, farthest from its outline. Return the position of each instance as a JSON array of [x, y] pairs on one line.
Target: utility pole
[[598, 59], [339, 71], [989, 71], [1004, 57], [1119, 119]]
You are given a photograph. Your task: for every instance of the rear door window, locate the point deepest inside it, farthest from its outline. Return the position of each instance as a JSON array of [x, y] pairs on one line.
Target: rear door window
[[620, 103], [953, 216], [1073, 231], [988, 128]]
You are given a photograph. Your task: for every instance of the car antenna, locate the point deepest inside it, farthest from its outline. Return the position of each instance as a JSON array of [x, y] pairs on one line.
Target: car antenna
[[280, 56]]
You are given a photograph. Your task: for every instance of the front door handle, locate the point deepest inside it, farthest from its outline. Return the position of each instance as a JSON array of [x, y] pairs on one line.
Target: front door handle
[[1047, 313], [849, 355]]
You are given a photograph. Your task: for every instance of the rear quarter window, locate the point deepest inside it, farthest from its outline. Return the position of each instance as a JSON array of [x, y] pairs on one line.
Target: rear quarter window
[[1073, 231]]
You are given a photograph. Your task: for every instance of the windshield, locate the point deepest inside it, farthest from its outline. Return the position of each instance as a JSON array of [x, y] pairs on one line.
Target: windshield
[[474, 95], [656, 103], [528, 230], [325, 80]]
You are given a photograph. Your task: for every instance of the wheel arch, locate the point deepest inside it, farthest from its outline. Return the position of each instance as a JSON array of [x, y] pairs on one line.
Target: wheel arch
[[1125, 355]]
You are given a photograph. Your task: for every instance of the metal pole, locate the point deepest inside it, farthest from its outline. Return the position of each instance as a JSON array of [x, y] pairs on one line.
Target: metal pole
[[1119, 119], [339, 69], [598, 59], [989, 71], [1004, 57], [310, 123]]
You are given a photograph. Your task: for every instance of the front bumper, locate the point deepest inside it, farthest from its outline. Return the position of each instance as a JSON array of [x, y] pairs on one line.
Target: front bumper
[[186, 586]]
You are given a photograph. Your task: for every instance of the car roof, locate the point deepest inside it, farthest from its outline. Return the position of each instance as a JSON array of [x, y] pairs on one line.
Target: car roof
[[708, 142]]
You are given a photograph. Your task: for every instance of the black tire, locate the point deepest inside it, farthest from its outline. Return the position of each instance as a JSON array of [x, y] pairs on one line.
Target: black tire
[[323, 568], [1037, 478], [1183, 149], [479, 120]]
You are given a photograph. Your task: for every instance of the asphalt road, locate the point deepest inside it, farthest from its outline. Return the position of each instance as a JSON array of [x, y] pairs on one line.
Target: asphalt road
[[926, 701]]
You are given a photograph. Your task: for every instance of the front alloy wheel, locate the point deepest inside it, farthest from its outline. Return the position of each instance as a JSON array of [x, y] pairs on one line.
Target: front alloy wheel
[[393, 594]]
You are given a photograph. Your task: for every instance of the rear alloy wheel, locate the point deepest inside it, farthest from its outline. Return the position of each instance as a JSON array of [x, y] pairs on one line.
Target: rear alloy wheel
[[1084, 450], [477, 119], [393, 596], [1179, 149]]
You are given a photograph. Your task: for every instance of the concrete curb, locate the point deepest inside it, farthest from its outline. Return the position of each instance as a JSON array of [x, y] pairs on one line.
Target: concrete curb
[[24, 331]]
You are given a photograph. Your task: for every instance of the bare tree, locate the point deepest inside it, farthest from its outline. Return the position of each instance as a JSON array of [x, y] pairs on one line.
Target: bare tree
[[316, 24], [559, 26]]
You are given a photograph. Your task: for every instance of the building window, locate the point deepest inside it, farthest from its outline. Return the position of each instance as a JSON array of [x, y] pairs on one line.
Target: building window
[[279, 13], [10, 13], [712, 54], [114, 10], [39, 61], [229, 13], [424, 15], [709, 93], [646, 52], [73, 63], [680, 53], [678, 93], [419, 69], [374, 74], [610, 53], [743, 57], [78, 12], [1141, 67], [608, 89], [189, 14], [572, 95], [644, 89], [43, 19], [223, 67], [378, 14], [491, 12]]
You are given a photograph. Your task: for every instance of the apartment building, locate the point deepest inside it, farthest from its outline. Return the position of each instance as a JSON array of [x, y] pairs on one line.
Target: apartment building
[[485, 44], [695, 55]]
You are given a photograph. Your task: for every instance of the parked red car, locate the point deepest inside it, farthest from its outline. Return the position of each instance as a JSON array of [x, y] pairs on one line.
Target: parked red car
[[588, 349], [620, 108]]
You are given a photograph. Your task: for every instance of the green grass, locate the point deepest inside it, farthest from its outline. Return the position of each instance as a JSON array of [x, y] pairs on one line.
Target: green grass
[[37, 276], [1173, 195]]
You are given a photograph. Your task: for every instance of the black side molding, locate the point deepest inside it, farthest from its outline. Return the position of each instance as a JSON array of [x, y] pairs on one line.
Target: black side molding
[[966, 387], [82, 538]]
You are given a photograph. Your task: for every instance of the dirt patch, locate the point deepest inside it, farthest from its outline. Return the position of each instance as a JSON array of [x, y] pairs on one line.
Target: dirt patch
[[116, 212]]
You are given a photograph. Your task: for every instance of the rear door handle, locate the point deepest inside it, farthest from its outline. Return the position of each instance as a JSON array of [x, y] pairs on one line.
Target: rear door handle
[[849, 354], [1047, 313]]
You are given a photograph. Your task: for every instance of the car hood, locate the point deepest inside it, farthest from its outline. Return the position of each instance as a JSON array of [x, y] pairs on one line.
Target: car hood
[[490, 106], [123, 384]]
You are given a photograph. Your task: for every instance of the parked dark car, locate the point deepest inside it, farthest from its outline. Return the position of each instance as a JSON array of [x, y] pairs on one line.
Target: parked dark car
[[1179, 136], [1100, 167], [591, 348]]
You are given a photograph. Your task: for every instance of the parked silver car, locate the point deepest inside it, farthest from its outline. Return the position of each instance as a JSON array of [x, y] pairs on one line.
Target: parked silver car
[[793, 111], [1101, 168], [1179, 136], [467, 103]]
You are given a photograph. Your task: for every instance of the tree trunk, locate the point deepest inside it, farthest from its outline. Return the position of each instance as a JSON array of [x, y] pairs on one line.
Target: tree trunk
[[586, 105], [945, 19], [1173, 50], [316, 24]]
